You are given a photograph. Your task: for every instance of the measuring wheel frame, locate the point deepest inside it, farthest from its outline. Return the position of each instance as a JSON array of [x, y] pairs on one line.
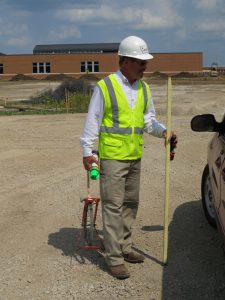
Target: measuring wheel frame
[[89, 222]]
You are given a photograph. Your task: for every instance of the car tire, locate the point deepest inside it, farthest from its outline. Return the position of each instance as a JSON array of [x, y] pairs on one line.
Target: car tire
[[207, 197]]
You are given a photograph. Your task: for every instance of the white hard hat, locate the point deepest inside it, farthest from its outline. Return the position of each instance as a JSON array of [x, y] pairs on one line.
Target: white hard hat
[[133, 46]]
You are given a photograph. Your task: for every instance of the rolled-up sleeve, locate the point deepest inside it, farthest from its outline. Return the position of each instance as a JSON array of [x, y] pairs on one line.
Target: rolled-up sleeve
[[92, 122]]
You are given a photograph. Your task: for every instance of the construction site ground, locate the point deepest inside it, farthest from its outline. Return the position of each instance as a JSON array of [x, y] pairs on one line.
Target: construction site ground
[[42, 180]]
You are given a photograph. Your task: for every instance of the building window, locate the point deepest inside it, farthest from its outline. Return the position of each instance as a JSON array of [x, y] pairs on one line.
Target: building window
[[1, 69], [48, 67], [82, 67], [89, 66], [41, 67], [35, 68], [96, 66]]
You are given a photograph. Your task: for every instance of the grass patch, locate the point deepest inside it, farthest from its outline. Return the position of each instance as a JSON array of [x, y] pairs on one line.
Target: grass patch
[[74, 103]]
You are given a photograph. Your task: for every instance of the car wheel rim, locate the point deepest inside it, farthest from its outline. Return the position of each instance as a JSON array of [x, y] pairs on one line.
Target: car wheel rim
[[209, 198]]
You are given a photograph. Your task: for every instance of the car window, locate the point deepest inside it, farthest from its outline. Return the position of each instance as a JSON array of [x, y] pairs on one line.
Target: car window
[[223, 119]]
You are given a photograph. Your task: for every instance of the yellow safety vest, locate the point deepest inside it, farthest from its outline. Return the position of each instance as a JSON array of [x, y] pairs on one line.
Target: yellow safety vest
[[121, 131]]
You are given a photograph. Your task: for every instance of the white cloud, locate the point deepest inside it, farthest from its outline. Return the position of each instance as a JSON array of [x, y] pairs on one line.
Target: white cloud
[[214, 25], [147, 19], [88, 15], [13, 33], [12, 29], [65, 32], [140, 16], [18, 41], [210, 18], [209, 4], [168, 23]]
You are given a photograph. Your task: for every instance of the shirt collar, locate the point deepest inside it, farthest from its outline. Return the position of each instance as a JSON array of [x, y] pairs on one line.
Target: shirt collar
[[124, 79]]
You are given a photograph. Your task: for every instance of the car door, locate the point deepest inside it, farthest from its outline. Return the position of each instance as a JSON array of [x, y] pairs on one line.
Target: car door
[[214, 162], [222, 183]]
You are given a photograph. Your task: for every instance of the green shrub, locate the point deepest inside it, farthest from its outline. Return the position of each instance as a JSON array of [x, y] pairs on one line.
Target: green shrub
[[70, 96]]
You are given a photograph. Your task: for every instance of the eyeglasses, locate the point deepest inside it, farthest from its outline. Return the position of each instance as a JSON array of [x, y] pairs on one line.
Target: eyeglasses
[[140, 62]]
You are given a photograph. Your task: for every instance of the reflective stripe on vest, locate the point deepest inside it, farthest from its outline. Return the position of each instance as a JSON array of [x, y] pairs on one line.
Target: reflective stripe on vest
[[115, 112]]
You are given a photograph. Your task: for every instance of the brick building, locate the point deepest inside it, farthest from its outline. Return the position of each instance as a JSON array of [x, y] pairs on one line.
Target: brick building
[[100, 59]]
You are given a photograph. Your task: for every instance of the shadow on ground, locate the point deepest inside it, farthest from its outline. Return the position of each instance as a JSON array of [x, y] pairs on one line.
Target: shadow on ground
[[196, 263], [70, 242]]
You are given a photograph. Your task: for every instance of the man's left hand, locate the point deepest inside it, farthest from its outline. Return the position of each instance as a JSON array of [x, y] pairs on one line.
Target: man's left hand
[[173, 143]]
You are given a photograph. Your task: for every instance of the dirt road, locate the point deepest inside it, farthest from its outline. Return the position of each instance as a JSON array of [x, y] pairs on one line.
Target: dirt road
[[42, 179]]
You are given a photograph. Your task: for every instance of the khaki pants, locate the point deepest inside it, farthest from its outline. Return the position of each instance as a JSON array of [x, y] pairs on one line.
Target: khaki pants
[[119, 189]]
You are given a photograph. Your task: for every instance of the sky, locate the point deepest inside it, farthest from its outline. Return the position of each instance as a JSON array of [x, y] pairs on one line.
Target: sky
[[166, 25]]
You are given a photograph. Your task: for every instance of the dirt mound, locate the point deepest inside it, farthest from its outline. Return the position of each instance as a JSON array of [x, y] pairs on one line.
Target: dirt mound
[[72, 85], [57, 77], [159, 75], [21, 77], [89, 77], [184, 75], [58, 94]]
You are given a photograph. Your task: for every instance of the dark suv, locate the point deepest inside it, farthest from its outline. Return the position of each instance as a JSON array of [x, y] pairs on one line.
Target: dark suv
[[213, 176]]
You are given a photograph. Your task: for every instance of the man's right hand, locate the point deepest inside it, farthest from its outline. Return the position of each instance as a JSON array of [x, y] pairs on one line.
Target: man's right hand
[[88, 161]]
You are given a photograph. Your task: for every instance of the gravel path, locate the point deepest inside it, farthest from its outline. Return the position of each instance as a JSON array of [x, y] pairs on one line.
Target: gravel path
[[42, 179]]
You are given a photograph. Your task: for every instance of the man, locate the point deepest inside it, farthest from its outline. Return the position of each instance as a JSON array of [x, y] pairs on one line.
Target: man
[[121, 108]]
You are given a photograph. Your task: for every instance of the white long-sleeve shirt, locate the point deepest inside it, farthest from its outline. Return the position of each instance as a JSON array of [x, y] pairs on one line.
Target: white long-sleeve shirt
[[96, 111]]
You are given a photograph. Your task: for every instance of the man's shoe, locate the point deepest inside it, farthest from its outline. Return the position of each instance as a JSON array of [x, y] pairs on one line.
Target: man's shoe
[[133, 257], [119, 271]]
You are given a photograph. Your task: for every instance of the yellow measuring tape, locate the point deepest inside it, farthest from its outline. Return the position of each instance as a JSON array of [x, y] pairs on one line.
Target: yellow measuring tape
[[167, 170]]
